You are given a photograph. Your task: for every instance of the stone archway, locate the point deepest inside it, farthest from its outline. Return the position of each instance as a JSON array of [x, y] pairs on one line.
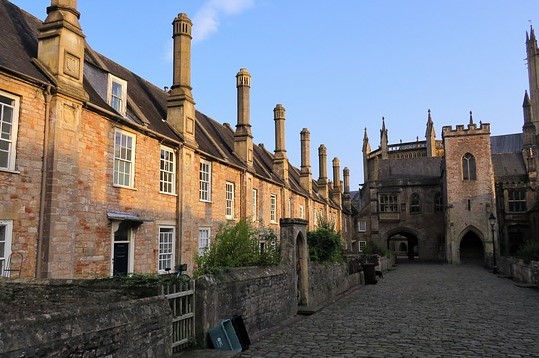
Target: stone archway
[[295, 257], [302, 267], [471, 249], [405, 243]]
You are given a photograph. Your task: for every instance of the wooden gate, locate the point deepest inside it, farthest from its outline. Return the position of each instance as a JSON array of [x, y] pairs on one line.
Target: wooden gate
[[181, 297]]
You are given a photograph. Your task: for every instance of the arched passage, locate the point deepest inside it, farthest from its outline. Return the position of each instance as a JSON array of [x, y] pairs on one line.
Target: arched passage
[[302, 257], [404, 243], [472, 250]]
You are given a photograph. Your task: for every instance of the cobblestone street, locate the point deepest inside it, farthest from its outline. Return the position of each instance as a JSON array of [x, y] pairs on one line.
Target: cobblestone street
[[418, 310]]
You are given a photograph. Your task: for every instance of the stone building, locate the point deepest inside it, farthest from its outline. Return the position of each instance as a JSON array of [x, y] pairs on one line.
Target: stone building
[[457, 199], [103, 173]]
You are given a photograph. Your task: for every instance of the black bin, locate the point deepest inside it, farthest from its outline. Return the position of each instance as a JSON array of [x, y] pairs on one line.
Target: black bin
[[370, 273], [241, 332]]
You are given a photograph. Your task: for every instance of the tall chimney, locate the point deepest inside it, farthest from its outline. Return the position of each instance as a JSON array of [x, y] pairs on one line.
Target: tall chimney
[[336, 193], [305, 172], [347, 200], [61, 47], [181, 106], [243, 138], [322, 169], [280, 160]]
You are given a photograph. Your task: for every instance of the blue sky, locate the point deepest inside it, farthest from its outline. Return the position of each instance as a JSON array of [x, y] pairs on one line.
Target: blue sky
[[336, 66]]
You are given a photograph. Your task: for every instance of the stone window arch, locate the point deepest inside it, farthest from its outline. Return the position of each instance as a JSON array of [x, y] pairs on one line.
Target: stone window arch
[[415, 204], [468, 167]]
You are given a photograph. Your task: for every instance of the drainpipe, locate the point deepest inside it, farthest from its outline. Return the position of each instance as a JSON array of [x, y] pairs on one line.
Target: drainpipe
[[39, 243], [179, 204]]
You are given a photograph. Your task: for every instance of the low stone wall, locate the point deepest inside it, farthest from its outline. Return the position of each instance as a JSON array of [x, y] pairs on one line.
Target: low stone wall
[[70, 321], [264, 297], [327, 281], [518, 270]]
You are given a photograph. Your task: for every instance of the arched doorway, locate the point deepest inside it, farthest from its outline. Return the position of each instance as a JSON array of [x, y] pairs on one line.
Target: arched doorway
[[302, 257], [472, 250], [404, 244]]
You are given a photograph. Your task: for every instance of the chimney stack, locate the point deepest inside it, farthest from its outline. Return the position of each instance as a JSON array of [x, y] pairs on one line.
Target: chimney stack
[[61, 47], [280, 160], [305, 172], [181, 106], [322, 169], [337, 192], [347, 200], [243, 138]]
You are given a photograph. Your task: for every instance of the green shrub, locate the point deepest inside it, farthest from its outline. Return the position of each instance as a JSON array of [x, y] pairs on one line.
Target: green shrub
[[373, 248], [529, 251], [324, 242], [237, 246]]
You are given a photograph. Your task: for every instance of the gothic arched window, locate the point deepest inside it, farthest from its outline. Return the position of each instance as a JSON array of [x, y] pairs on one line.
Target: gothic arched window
[[468, 167], [415, 204]]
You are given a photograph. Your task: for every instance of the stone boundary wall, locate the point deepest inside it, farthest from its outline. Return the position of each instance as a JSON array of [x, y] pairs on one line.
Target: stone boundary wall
[[519, 271], [138, 328], [264, 297], [327, 281]]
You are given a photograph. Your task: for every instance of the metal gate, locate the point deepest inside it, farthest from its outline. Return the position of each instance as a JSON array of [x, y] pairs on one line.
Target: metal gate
[[181, 297]]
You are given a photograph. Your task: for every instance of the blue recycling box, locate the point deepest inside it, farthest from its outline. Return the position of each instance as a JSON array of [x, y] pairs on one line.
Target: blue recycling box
[[224, 337]]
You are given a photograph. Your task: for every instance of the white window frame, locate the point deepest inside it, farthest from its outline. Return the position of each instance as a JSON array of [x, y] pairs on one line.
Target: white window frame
[[290, 208], [254, 204], [122, 108], [205, 181], [124, 158], [167, 171], [361, 245], [362, 225], [301, 212], [166, 248], [229, 200], [6, 240], [204, 239], [11, 138], [273, 208]]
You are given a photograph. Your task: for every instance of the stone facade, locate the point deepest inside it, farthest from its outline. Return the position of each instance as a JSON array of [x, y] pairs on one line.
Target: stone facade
[[460, 199], [104, 173]]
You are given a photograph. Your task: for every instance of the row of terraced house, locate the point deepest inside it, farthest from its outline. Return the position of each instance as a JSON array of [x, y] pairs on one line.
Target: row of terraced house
[[103, 173]]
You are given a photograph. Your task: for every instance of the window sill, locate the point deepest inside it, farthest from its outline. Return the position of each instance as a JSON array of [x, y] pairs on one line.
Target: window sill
[[5, 170], [124, 187], [169, 194], [205, 201]]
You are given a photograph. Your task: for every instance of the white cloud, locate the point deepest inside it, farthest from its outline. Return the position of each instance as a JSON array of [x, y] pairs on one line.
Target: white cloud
[[206, 20]]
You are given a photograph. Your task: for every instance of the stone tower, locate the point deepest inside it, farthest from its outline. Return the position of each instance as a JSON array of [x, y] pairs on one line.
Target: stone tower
[[430, 137], [469, 189]]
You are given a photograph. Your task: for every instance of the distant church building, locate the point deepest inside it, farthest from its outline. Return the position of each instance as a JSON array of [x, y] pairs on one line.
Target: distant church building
[[452, 199]]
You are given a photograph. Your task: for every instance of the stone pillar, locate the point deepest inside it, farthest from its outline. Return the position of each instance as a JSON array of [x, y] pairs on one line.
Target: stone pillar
[[336, 193]]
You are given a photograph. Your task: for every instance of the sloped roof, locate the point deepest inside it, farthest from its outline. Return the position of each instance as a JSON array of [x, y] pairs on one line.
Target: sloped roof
[[146, 105], [410, 168], [509, 167], [19, 41], [507, 143]]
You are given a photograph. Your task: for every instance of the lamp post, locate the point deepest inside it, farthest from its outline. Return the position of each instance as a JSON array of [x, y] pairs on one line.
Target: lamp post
[[492, 221]]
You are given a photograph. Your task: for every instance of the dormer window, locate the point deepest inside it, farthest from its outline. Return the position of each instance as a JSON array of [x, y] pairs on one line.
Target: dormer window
[[117, 94]]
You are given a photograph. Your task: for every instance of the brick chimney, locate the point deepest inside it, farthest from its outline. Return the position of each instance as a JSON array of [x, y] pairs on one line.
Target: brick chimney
[[243, 138], [347, 200], [61, 47], [280, 160], [337, 191], [305, 172], [322, 169], [180, 105]]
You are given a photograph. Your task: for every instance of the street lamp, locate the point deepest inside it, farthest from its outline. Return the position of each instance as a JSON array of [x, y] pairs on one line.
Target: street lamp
[[492, 221]]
